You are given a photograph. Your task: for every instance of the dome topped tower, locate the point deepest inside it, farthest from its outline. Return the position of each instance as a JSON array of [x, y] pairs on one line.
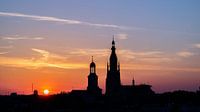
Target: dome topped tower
[[92, 66], [93, 87]]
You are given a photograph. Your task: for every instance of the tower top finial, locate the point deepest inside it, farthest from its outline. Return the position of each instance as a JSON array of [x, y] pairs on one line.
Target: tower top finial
[[92, 64], [113, 41]]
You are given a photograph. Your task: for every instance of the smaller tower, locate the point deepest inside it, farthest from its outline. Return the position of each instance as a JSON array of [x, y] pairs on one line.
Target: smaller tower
[[133, 82], [92, 67], [93, 87]]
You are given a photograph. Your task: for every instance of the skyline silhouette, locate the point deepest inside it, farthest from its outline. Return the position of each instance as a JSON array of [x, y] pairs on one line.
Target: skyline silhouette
[[99, 56], [49, 44], [112, 82], [117, 98]]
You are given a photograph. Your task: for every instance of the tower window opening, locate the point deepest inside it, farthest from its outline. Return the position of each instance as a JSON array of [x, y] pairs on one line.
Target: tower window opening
[[92, 70]]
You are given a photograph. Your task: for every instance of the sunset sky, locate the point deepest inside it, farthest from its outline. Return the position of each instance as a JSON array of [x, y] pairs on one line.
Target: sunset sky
[[50, 43]]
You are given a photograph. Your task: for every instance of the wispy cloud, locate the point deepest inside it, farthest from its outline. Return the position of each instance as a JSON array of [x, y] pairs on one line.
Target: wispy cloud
[[6, 47], [144, 53], [104, 52], [125, 55], [1, 53], [145, 56], [78, 22], [197, 45], [146, 60], [89, 52], [122, 36], [21, 38], [55, 19], [47, 56], [185, 54], [34, 64], [42, 58]]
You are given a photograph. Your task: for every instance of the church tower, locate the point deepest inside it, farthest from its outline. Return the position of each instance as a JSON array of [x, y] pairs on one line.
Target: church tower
[[93, 87], [113, 82]]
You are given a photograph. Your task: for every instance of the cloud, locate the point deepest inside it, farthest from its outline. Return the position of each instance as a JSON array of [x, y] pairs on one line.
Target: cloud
[[142, 54], [143, 60], [77, 22], [77, 58], [89, 52], [125, 55], [1, 53], [6, 47], [34, 64], [47, 56], [104, 52], [121, 36], [55, 19], [185, 54], [21, 38], [44, 59], [145, 56], [197, 45]]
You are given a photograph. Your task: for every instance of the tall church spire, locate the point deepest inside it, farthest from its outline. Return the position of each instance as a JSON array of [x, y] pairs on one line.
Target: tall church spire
[[113, 57], [113, 72]]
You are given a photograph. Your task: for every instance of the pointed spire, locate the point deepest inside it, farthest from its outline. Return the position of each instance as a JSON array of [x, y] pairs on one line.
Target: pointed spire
[[113, 44], [113, 41], [92, 58]]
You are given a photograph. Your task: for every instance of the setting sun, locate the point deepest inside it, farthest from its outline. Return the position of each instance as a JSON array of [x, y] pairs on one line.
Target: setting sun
[[46, 91]]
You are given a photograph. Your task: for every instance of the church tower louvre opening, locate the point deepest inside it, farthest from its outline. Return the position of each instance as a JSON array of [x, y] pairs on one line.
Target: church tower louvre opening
[[113, 82]]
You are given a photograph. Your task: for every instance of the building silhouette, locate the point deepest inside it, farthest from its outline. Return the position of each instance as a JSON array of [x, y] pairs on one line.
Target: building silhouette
[[93, 87], [118, 97], [113, 81]]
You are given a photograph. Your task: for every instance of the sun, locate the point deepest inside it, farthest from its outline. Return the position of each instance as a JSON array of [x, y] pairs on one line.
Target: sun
[[46, 91]]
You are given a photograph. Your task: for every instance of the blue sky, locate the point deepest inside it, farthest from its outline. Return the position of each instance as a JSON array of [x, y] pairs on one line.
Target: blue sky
[[154, 35], [177, 19]]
